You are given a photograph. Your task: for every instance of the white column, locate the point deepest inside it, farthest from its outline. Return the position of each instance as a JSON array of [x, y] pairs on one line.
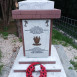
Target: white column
[[36, 5], [36, 0]]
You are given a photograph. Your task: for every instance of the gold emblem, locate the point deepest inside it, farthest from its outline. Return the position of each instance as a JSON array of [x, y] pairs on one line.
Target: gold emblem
[[36, 40]]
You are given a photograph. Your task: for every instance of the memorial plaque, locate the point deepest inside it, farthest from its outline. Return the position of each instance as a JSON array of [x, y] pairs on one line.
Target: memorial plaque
[[36, 35]]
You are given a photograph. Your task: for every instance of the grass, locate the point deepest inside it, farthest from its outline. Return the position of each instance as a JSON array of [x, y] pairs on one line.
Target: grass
[[14, 41], [67, 27], [75, 57], [4, 34], [5, 28], [20, 39], [0, 54], [15, 33], [74, 64], [1, 66], [70, 68], [59, 38]]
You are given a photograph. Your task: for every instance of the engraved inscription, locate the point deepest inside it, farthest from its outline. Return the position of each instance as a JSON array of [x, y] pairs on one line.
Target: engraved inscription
[[37, 50], [36, 30]]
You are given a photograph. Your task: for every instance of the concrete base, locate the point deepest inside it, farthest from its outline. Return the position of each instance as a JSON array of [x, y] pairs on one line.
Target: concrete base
[[54, 57], [65, 62]]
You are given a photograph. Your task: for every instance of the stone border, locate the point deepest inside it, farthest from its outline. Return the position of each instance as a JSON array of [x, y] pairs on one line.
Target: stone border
[[65, 62], [41, 62], [36, 14], [53, 70], [51, 24]]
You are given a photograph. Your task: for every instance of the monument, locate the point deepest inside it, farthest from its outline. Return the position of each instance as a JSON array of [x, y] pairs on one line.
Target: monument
[[36, 19], [36, 24]]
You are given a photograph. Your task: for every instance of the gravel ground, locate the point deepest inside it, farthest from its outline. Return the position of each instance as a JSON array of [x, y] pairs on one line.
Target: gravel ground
[[9, 48], [71, 52]]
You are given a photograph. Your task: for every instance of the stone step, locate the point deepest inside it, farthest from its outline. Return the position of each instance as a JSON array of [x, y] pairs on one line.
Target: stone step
[[47, 66], [54, 56], [52, 70], [41, 62], [48, 59]]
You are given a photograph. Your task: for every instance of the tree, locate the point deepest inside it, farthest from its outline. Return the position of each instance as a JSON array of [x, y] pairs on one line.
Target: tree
[[68, 7], [6, 6]]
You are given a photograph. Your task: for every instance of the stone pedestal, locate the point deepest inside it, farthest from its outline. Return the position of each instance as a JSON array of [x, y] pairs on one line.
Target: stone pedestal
[[36, 21], [36, 18], [52, 64]]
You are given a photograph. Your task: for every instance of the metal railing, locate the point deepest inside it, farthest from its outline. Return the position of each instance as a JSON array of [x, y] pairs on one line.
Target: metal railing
[[67, 25]]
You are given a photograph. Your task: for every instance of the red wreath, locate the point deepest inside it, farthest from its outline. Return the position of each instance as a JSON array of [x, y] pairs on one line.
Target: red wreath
[[31, 68]]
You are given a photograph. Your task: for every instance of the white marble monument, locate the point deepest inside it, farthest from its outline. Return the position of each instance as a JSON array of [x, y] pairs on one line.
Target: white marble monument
[[36, 32], [36, 18]]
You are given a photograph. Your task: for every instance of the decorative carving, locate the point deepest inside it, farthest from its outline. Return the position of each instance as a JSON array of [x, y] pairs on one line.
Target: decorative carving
[[25, 23], [36, 30], [36, 40], [47, 22]]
